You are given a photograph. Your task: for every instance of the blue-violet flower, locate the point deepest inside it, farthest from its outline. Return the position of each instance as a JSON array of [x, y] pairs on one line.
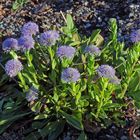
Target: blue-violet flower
[[107, 71], [92, 50], [135, 36], [32, 94], [70, 75], [48, 38], [13, 67], [10, 44], [30, 28], [65, 52], [26, 42]]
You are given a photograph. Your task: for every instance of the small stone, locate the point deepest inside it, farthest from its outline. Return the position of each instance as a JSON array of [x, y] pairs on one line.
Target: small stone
[[124, 138], [110, 137], [88, 25]]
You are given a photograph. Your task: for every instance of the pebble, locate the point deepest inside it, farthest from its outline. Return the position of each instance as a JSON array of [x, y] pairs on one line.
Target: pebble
[[109, 137], [124, 138]]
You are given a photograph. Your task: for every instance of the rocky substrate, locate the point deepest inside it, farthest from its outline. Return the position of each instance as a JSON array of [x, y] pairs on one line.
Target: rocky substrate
[[88, 15]]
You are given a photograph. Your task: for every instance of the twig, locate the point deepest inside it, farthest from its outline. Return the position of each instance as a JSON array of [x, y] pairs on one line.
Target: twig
[[63, 16]]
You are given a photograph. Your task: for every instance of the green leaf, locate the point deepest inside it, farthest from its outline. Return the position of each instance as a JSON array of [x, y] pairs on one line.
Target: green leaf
[[47, 129], [66, 30], [5, 126], [18, 3], [1, 104], [36, 125], [70, 23], [57, 130], [135, 83], [52, 129], [82, 136], [55, 96], [136, 96], [3, 79], [54, 64], [39, 124], [113, 29], [94, 35], [72, 120], [41, 116], [6, 121], [36, 107], [33, 136]]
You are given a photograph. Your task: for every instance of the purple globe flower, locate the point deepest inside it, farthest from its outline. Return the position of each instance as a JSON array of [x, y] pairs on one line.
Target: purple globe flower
[[108, 72], [13, 67], [32, 94], [10, 44], [135, 36], [30, 28], [26, 42], [66, 52], [92, 50], [105, 71], [70, 75], [48, 38]]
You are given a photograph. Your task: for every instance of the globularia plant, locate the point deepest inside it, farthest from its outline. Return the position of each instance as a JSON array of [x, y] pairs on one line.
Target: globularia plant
[[69, 78]]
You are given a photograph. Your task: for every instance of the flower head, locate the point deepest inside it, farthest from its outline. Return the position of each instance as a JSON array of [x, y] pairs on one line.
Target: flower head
[[70, 75], [107, 71], [93, 50], [10, 44], [32, 94], [135, 36], [30, 28], [26, 42], [13, 67], [49, 38], [66, 52]]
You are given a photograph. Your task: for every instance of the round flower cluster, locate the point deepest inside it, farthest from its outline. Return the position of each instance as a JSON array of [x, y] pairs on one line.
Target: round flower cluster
[[105, 71], [30, 28], [70, 75], [108, 72], [26, 42], [92, 50], [32, 94], [49, 38], [135, 36], [10, 44], [13, 67], [66, 52]]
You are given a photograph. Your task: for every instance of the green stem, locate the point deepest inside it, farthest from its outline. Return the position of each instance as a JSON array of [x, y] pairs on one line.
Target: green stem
[[13, 54], [31, 66], [50, 53], [22, 81], [100, 104], [101, 100], [73, 89], [46, 58], [127, 83]]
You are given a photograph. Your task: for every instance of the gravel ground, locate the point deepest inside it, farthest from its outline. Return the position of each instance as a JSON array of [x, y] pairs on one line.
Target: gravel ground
[[88, 15]]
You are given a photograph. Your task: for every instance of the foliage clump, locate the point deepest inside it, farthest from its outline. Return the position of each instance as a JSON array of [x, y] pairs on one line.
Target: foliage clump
[[67, 77]]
